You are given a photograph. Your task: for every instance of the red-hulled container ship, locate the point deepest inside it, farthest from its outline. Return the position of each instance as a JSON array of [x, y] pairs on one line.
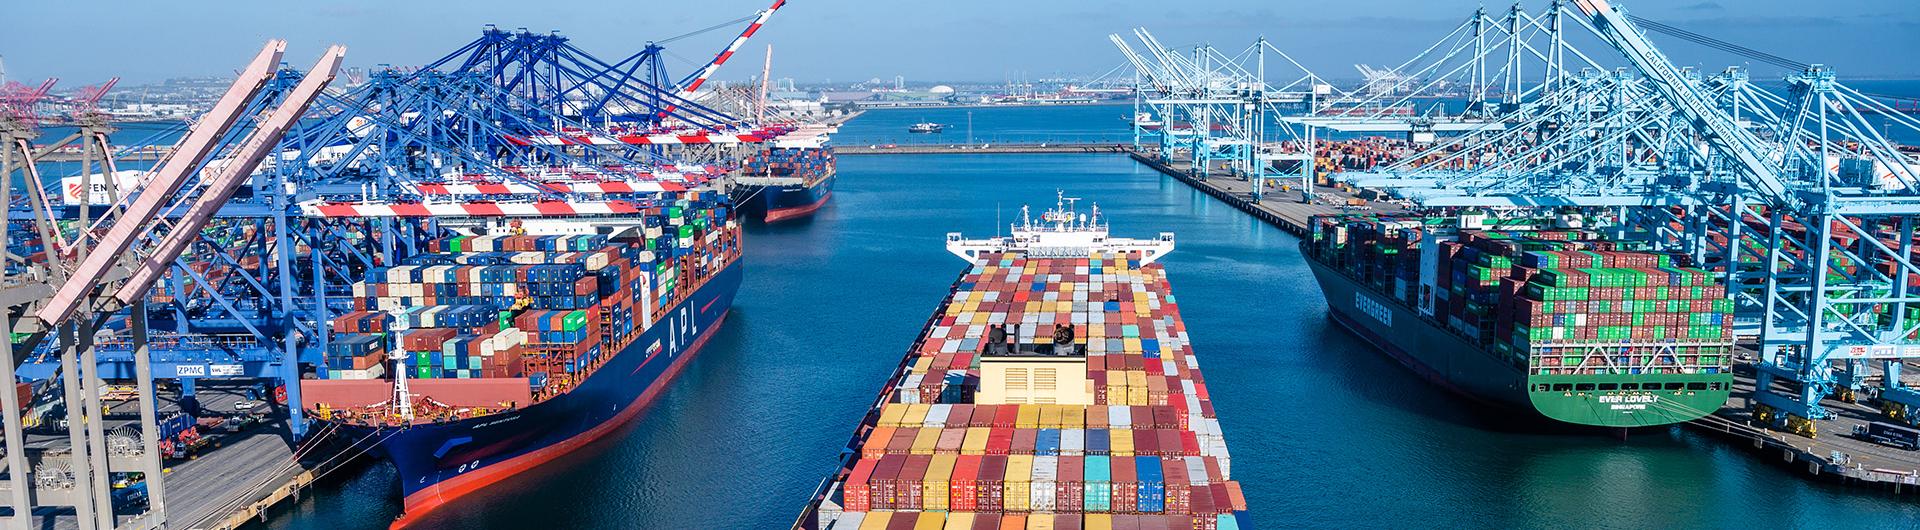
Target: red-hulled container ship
[[494, 352]]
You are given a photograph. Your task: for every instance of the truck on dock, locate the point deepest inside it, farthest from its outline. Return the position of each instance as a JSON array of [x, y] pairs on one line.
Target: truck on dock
[[1889, 435]]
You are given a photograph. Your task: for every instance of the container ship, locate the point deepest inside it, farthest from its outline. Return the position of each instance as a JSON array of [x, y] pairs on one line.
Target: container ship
[[493, 352], [1055, 387], [792, 179], [1531, 313]]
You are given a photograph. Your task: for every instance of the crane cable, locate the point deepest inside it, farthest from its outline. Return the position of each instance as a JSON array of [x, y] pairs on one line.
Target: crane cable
[[1718, 44]]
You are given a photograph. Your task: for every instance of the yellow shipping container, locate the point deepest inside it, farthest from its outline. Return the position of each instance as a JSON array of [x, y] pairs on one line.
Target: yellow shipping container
[[933, 489], [975, 442], [930, 521], [1040, 521], [1097, 521], [917, 413], [922, 364], [1120, 441], [1135, 379], [924, 441], [890, 414], [1074, 416], [1029, 417], [960, 520], [1050, 416], [1137, 396], [876, 520], [1018, 493]]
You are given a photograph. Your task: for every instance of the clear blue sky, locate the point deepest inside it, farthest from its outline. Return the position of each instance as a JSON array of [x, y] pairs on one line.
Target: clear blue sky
[[849, 40]]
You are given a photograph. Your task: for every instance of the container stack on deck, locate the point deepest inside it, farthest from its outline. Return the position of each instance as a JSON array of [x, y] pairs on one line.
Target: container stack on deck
[[786, 162], [1524, 293], [544, 308], [1147, 453]]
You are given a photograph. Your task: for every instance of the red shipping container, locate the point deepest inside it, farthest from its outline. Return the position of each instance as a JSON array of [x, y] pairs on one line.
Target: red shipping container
[[886, 484], [993, 473], [984, 415], [857, 492], [912, 474], [902, 442], [1024, 441], [1006, 416], [903, 521], [1126, 486], [1179, 498], [963, 488], [1169, 443], [1065, 521], [1126, 521], [1146, 442], [985, 521], [1070, 492], [1000, 440]]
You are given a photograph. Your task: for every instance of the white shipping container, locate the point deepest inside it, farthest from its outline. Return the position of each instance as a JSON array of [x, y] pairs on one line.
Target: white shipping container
[[937, 415], [1073, 442], [1119, 416], [372, 372], [1196, 470], [1046, 470]]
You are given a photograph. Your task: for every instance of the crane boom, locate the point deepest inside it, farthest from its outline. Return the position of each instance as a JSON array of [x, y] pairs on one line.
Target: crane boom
[[165, 183], [693, 83], [257, 147], [1720, 131]]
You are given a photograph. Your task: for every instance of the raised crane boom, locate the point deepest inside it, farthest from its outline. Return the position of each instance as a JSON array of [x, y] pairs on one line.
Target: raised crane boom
[[693, 82], [1718, 129]]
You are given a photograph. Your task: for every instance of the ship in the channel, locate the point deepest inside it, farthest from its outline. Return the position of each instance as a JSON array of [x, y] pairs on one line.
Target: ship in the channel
[[1533, 314], [493, 352], [1055, 387], [791, 179]]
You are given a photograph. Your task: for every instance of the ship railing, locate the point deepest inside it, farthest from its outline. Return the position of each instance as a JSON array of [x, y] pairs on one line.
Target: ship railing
[[1645, 356]]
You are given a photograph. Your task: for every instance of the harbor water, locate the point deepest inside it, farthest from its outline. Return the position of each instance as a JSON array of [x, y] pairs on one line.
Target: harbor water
[[1326, 431]]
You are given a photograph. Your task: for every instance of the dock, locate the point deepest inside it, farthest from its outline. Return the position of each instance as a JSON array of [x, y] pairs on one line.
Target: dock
[[1282, 207], [981, 149], [1833, 455]]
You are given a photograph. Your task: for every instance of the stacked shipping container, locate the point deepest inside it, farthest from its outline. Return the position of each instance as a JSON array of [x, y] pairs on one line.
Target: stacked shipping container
[[1147, 454], [1564, 301], [546, 308]]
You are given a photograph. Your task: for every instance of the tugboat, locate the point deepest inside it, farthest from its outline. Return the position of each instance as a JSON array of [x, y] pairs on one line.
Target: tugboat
[[926, 127]]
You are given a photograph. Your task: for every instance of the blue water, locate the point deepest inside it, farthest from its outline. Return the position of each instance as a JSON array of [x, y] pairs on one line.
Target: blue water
[[1325, 431], [1021, 124]]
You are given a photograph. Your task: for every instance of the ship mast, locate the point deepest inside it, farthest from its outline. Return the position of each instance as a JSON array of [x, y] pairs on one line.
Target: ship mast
[[402, 399]]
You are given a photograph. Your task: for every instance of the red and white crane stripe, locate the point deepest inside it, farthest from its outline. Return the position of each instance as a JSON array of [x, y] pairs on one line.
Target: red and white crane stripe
[[514, 188], [732, 47], [319, 208]]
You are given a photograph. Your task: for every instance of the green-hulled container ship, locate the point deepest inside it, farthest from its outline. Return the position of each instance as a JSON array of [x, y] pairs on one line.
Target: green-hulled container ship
[[1531, 315]]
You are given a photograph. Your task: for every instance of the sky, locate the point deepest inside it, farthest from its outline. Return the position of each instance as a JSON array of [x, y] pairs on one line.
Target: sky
[[853, 40]]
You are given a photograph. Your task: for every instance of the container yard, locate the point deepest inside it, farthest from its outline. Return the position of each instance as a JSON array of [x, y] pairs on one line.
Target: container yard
[[590, 277], [1055, 387]]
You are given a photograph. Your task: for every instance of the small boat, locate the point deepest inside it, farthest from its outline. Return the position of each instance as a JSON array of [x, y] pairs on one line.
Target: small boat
[[1145, 121], [925, 127]]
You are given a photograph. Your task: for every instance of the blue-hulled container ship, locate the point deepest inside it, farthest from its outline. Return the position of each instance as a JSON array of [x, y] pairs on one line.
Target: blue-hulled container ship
[[492, 353], [792, 179]]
